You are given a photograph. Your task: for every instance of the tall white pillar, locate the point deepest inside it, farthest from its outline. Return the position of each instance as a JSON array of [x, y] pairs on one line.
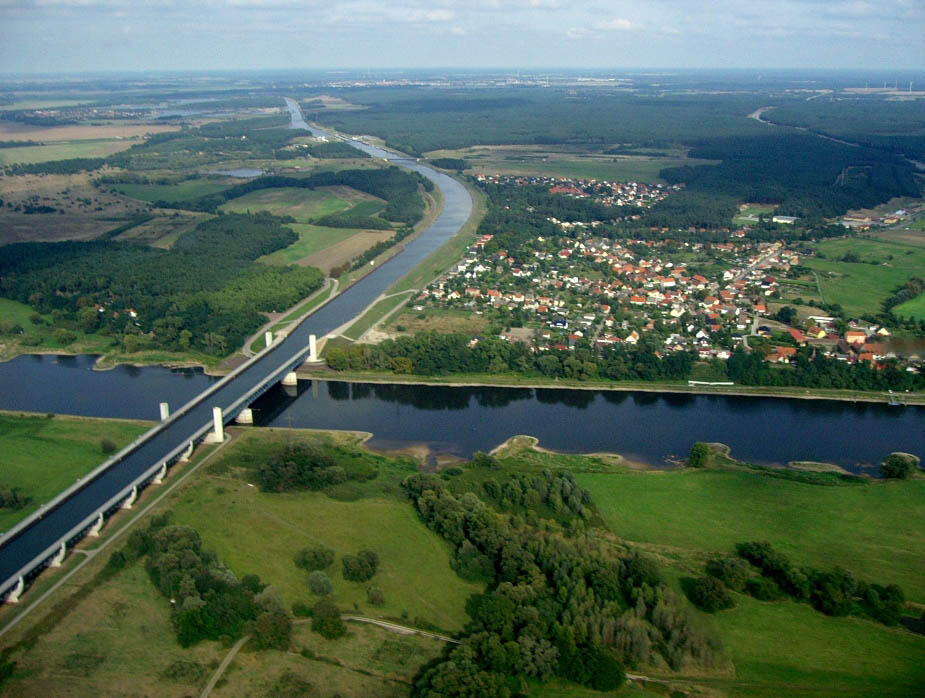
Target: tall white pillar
[[218, 427], [312, 348], [165, 411], [268, 337]]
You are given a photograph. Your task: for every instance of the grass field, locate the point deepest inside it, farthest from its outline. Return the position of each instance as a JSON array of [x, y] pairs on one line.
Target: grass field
[[443, 320], [873, 530], [375, 314], [42, 456], [301, 204], [183, 191], [312, 239], [551, 162], [789, 649], [861, 287], [260, 532], [914, 308], [62, 151]]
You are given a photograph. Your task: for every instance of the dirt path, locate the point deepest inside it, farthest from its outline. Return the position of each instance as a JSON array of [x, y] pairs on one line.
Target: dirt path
[[224, 665], [401, 629]]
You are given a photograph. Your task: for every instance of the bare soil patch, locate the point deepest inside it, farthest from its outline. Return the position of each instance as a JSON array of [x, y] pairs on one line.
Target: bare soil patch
[[12, 131], [345, 250]]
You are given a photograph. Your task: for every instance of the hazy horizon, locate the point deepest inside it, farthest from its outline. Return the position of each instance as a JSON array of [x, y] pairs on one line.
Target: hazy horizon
[[76, 36]]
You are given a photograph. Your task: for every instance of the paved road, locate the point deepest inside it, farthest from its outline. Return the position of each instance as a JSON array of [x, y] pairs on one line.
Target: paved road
[[20, 549]]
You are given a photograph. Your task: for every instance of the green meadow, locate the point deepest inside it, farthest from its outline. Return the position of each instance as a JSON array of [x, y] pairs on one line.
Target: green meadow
[[41, 456], [861, 287]]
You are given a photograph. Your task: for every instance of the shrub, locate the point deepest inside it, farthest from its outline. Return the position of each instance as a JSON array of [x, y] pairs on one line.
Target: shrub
[[326, 620], [709, 594], [320, 583], [731, 571], [360, 567], [762, 589], [301, 610], [312, 559], [897, 466], [107, 446], [699, 456], [375, 596]]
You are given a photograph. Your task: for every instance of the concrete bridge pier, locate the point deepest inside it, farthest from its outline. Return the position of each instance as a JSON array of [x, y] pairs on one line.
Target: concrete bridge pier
[[165, 411], [187, 454], [97, 527], [268, 337], [16, 592], [312, 348], [127, 504], [246, 416], [217, 435], [59, 556], [290, 379], [160, 474]]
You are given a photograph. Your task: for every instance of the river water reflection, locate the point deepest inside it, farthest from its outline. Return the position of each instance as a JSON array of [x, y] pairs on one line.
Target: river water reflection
[[649, 427]]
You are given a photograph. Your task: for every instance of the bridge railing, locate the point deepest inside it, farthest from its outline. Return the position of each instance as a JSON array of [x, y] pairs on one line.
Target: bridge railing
[[133, 446], [228, 414]]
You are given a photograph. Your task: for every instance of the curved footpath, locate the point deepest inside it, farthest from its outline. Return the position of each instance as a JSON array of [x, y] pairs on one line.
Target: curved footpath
[[19, 547]]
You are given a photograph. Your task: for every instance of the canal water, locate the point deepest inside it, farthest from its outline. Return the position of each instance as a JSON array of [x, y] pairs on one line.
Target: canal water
[[650, 427]]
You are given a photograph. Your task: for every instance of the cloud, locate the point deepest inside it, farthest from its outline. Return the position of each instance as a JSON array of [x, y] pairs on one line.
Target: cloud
[[430, 15], [620, 24], [458, 31]]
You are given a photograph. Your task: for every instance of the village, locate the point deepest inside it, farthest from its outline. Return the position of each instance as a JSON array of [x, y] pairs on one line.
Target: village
[[670, 296]]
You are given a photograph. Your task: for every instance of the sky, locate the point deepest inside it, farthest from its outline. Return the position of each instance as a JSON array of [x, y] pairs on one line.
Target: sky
[[39, 36]]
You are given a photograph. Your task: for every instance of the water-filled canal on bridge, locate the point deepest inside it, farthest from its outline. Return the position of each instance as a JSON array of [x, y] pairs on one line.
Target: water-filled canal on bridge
[[649, 427]]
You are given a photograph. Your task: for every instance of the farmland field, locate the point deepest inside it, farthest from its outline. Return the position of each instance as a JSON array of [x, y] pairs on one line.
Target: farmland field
[[312, 240], [183, 191], [62, 151], [914, 308], [301, 204], [861, 287]]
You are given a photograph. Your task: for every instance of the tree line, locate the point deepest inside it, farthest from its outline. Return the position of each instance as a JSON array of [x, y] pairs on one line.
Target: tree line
[[180, 302]]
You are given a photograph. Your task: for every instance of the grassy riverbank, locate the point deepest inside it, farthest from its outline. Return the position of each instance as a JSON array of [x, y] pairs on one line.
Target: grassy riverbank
[[43, 455], [110, 632]]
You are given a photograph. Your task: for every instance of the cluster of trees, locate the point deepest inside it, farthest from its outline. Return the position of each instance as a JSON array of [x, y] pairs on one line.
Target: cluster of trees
[[458, 164], [314, 559], [299, 466], [360, 567], [435, 353], [209, 601], [353, 221], [812, 370], [898, 466], [557, 606], [12, 498], [558, 491], [62, 167], [180, 302], [381, 247], [835, 592]]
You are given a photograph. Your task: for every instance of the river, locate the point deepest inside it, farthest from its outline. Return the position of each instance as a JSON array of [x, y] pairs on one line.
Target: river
[[647, 427]]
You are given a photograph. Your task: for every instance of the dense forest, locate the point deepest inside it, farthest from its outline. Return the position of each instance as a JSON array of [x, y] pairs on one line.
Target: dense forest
[[147, 297], [807, 175]]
